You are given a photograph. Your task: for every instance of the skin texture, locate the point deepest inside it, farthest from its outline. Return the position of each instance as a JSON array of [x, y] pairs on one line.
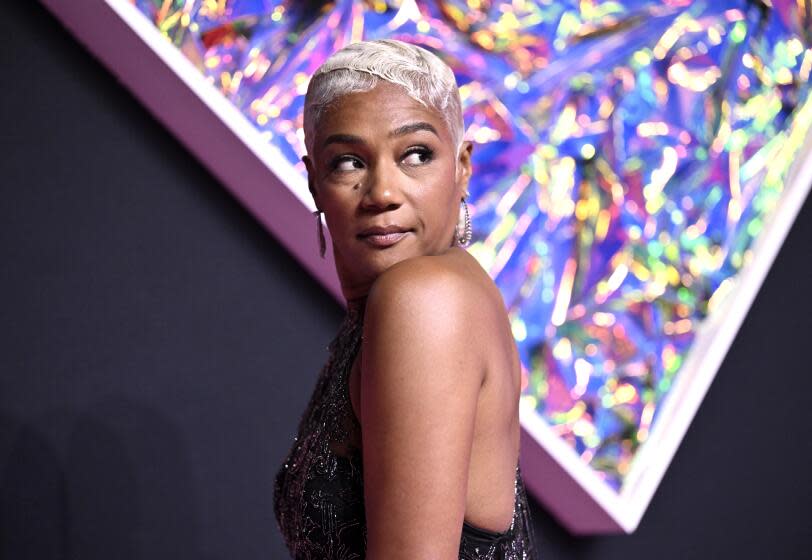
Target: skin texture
[[436, 383]]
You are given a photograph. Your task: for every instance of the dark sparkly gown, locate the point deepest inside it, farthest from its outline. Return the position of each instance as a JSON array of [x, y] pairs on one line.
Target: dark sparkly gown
[[318, 491]]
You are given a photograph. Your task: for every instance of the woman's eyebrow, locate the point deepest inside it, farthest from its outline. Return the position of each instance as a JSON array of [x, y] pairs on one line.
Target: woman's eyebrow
[[413, 127]]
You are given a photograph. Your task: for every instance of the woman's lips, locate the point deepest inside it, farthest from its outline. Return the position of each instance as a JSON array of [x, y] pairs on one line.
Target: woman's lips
[[384, 239]]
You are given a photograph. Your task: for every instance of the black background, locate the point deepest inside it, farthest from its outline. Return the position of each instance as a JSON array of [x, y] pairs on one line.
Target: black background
[[158, 347]]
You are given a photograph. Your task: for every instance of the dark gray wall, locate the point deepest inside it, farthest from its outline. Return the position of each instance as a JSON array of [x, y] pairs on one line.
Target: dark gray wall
[[158, 346]]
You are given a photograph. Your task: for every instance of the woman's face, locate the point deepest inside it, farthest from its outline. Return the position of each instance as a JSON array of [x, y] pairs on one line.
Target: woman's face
[[382, 160]]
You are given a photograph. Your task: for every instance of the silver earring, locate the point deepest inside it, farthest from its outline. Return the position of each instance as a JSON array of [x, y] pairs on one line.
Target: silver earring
[[320, 228], [464, 239]]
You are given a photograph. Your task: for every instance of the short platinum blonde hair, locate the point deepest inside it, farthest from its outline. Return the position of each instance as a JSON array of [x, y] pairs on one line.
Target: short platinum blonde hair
[[359, 67]]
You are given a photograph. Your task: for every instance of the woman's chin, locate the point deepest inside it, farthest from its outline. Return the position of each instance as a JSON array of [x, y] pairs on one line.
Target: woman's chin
[[378, 262], [374, 263], [371, 258]]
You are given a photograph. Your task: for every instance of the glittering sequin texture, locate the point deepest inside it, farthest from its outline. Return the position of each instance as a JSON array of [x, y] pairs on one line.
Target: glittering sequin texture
[[318, 491]]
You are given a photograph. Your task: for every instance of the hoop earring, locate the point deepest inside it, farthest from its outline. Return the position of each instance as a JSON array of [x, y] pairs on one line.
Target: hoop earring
[[320, 230], [464, 239]]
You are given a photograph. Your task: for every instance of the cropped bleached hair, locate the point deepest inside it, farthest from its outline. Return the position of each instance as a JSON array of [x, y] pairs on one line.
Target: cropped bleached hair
[[358, 67]]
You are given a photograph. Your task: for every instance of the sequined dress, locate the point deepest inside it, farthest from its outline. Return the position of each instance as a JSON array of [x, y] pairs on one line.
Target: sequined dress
[[318, 491]]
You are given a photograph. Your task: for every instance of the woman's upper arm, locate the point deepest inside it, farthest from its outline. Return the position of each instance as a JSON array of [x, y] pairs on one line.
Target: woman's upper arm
[[420, 384]]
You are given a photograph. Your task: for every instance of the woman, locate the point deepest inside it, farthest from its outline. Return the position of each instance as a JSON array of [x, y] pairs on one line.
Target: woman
[[409, 447]]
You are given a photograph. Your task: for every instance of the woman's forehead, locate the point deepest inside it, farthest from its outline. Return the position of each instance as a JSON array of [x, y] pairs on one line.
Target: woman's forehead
[[385, 109]]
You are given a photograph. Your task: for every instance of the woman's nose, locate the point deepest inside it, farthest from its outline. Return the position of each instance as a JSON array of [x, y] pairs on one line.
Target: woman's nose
[[382, 190]]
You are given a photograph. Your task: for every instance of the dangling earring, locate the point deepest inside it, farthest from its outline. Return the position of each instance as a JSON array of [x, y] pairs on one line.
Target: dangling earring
[[320, 228], [465, 238]]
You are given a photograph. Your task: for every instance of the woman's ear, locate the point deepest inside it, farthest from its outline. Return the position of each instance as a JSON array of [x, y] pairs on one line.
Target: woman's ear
[[311, 173], [464, 168]]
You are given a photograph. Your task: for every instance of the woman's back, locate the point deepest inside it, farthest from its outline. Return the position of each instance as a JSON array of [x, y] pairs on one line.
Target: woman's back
[[495, 442], [319, 495], [495, 446]]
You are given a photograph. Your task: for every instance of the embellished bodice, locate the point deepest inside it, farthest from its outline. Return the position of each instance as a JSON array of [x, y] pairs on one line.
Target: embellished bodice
[[318, 491]]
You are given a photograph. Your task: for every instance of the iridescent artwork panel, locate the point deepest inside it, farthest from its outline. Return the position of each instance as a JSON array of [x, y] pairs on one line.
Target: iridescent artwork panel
[[630, 159]]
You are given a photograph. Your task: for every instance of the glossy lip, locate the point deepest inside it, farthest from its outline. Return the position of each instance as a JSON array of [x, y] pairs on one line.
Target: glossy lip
[[383, 236]]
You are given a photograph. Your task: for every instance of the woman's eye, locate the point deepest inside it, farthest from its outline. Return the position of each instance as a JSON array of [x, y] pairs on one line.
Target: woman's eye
[[347, 164], [418, 157]]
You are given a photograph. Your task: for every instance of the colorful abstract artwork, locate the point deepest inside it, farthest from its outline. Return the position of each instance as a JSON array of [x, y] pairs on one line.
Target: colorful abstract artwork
[[629, 156]]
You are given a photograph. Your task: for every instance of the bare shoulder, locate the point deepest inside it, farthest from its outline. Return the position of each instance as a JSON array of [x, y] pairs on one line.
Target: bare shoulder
[[436, 289]]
